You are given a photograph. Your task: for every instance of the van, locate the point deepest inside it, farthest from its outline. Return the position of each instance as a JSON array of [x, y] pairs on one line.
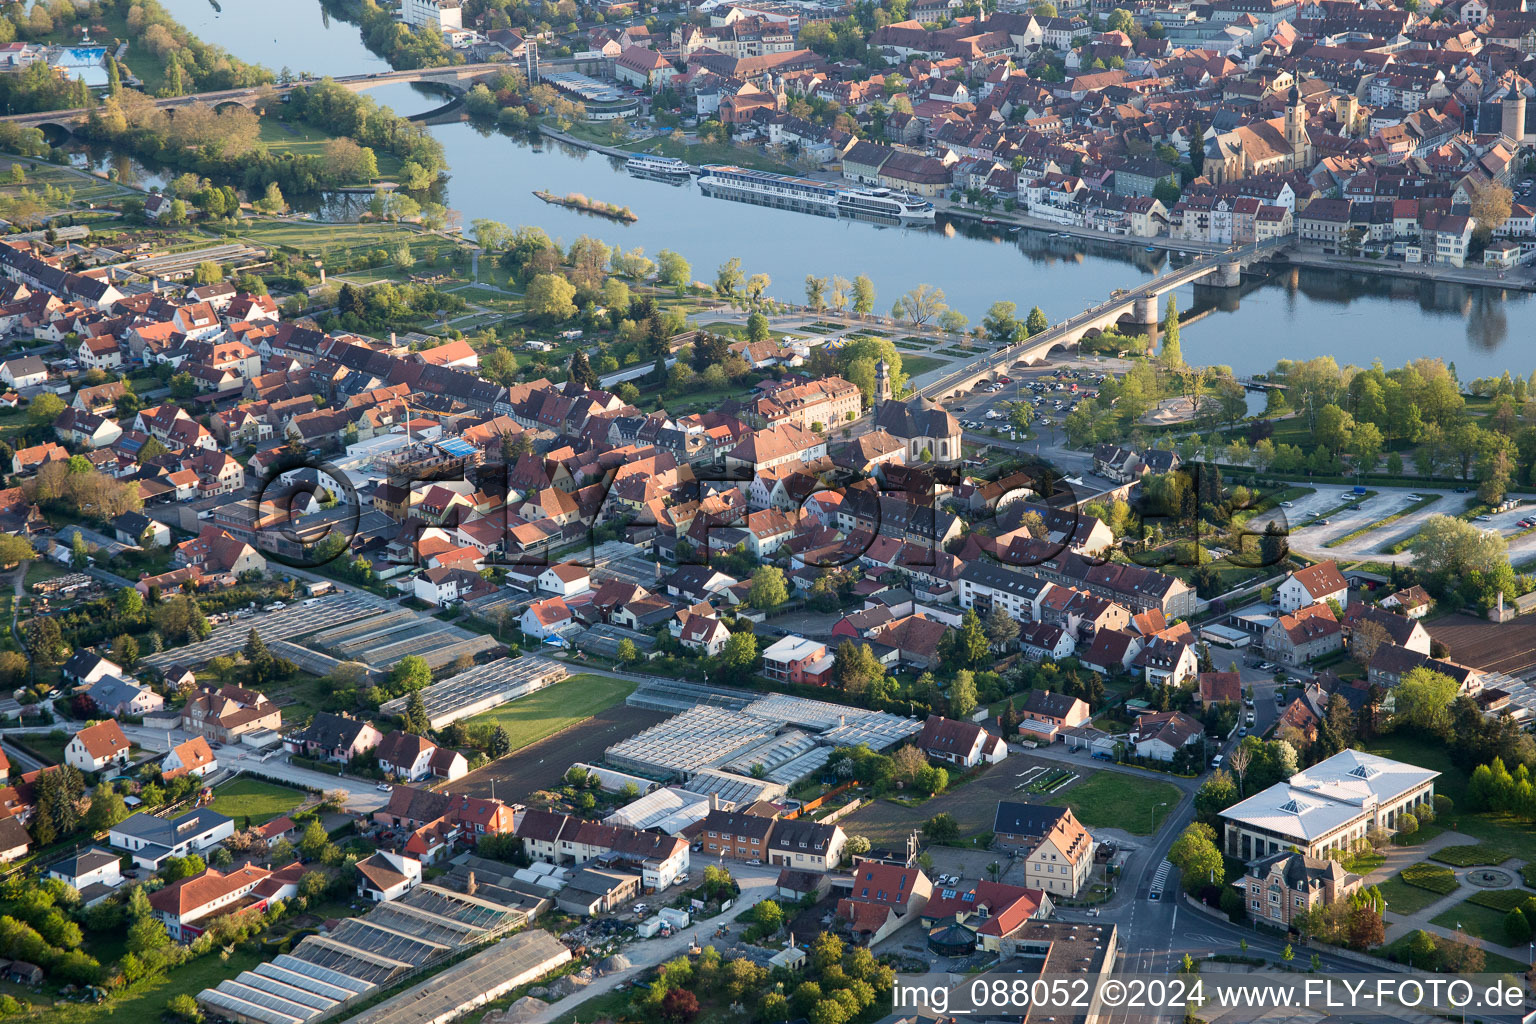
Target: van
[[1216, 762]]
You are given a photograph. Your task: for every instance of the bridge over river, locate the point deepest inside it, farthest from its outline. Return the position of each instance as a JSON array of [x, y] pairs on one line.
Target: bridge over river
[[1223, 269], [455, 77]]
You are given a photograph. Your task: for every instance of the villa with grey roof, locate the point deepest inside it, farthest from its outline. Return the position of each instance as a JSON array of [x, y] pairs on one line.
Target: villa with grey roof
[[1329, 806]]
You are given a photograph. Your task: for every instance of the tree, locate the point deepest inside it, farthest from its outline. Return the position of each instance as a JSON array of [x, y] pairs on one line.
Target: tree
[[855, 667], [272, 201], [500, 743], [581, 371], [1517, 929], [768, 915], [1001, 628], [739, 654], [1445, 544], [941, 828], [1198, 857], [1000, 323], [863, 295], [45, 642], [962, 694], [415, 720], [552, 296], [1172, 353], [922, 304], [1423, 699], [728, 278], [767, 589], [816, 292], [410, 673], [1491, 205], [672, 270], [1036, 322], [628, 654], [45, 408]]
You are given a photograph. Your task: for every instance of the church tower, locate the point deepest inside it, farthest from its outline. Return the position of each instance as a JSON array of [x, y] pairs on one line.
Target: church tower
[[882, 383], [1296, 128]]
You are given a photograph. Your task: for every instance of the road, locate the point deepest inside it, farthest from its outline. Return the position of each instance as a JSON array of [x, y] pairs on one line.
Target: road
[[756, 885]]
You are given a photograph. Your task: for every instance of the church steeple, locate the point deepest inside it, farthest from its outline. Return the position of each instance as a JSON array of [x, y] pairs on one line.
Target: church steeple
[[882, 382], [1296, 126]]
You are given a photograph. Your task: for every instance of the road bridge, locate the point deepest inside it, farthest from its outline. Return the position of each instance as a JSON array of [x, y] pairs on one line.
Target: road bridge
[[458, 77], [1138, 305]]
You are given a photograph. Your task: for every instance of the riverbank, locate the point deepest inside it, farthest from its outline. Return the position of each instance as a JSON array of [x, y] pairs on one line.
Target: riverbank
[[1519, 279]]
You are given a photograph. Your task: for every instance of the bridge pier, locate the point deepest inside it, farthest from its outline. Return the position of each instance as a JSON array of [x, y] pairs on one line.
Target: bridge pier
[[1144, 310], [1228, 275]]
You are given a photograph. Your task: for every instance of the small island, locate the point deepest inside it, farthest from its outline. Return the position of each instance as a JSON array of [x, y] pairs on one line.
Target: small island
[[577, 201]]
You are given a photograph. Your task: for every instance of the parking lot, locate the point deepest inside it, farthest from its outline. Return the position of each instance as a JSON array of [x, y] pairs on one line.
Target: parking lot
[[1317, 519]]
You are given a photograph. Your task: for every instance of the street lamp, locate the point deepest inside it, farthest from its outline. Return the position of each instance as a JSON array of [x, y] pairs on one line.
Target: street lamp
[[1154, 814]]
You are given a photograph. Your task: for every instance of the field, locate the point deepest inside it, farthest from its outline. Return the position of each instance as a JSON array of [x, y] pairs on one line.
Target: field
[[553, 709], [541, 765], [147, 1000], [302, 140], [1483, 922], [1117, 800], [259, 801]]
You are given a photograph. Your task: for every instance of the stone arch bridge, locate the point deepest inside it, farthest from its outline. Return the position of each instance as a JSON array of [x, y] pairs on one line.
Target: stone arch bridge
[[457, 78]]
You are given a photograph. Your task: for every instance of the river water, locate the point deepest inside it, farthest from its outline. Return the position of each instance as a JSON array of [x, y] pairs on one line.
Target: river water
[[1293, 313]]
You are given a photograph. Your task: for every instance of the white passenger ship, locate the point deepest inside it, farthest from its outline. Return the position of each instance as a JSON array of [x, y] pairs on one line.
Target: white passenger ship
[[661, 168], [808, 195]]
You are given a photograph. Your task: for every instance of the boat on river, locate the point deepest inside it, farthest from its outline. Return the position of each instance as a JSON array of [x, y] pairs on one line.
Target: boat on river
[[810, 195], [659, 168]]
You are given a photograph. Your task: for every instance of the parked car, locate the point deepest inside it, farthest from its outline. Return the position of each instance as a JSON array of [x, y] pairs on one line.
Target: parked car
[[384, 787]]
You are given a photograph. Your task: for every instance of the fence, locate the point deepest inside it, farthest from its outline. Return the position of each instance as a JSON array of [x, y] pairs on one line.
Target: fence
[[809, 806]]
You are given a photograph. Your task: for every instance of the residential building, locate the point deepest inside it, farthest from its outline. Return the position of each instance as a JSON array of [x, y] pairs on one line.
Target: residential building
[[96, 747], [1315, 584], [1280, 888], [151, 839], [964, 744]]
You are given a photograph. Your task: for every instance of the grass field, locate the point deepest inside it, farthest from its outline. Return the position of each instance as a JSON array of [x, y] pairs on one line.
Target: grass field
[[40, 569], [148, 999], [1415, 751], [254, 799], [914, 365], [1117, 800], [1483, 922], [302, 140], [546, 712], [1403, 898]]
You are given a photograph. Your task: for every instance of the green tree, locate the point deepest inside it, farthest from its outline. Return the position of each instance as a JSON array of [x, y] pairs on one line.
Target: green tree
[[962, 694], [768, 589], [500, 744], [1198, 857], [739, 654], [552, 296], [1036, 322], [863, 295]]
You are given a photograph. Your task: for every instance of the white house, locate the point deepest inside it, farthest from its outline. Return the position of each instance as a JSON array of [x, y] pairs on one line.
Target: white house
[[151, 840], [194, 757], [93, 873], [566, 579], [1160, 736], [383, 875], [960, 743], [546, 618], [1315, 584], [97, 746], [23, 371], [406, 756]]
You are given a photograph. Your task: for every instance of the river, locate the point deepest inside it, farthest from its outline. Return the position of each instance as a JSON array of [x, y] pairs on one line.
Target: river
[[1293, 313]]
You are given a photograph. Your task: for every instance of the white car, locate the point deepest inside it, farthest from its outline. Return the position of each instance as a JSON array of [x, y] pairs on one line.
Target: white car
[[385, 787]]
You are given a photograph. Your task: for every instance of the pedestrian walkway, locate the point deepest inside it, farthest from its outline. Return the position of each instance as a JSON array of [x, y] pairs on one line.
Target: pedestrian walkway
[[1161, 876]]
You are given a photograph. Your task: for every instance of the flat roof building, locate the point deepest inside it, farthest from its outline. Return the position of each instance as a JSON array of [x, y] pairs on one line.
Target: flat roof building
[[1329, 806]]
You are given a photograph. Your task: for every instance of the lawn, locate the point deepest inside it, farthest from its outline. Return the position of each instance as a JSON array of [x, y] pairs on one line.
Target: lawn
[[1403, 898], [301, 140], [1502, 900], [1483, 922], [259, 801], [1117, 800], [1422, 834], [40, 569], [912, 366], [545, 712], [1438, 880], [1471, 856], [44, 745]]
